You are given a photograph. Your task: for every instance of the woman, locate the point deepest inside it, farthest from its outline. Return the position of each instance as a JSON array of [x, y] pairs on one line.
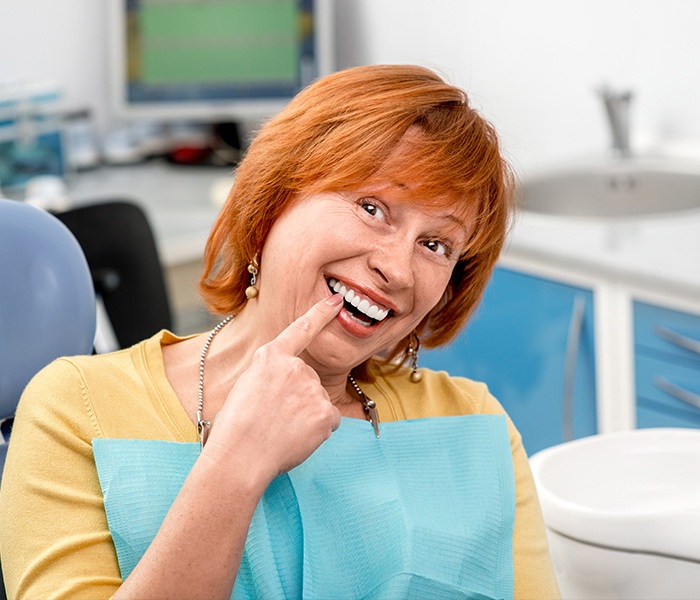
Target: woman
[[366, 216]]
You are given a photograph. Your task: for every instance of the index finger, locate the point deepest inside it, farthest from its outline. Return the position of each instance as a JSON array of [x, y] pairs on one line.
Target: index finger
[[299, 334]]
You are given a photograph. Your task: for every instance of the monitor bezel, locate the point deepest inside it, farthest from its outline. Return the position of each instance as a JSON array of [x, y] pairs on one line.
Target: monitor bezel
[[234, 109]]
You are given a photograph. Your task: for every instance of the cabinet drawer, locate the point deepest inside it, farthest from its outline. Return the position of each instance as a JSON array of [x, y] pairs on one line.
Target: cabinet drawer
[[532, 342], [668, 390], [653, 415], [667, 333]]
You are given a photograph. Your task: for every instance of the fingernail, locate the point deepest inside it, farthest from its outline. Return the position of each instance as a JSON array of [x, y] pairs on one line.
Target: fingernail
[[334, 300]]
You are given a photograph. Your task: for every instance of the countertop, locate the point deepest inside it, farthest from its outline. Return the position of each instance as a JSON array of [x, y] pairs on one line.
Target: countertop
[[653, 251]]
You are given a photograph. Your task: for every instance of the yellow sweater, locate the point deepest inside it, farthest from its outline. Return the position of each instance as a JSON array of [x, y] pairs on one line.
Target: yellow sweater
[[54, 537]]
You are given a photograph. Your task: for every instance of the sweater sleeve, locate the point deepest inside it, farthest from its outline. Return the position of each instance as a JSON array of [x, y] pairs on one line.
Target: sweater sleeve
[[54, 536], [534, 574]]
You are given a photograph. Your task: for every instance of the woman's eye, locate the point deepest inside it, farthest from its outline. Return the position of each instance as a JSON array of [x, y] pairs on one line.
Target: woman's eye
[[372, 209], [438, 247]]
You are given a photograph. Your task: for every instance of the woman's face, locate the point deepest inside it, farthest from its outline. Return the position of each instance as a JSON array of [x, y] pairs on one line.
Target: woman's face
[[388, 253]]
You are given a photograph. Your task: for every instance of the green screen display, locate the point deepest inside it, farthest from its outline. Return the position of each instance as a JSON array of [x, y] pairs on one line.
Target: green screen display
[[212, 41]]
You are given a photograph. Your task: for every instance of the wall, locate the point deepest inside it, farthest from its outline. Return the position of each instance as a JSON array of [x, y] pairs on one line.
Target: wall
[[532, 66], [62, 41]]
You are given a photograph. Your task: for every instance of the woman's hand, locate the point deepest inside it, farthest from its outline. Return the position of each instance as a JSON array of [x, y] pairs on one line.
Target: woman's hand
[[278, 413]]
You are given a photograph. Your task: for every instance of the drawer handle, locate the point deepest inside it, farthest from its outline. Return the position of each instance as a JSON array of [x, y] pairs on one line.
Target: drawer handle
[[677, 339], [677, 392], [573, 341]]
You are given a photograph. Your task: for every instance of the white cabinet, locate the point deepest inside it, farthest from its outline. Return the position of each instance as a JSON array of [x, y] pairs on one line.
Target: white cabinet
[[644, 273], [646, 356]]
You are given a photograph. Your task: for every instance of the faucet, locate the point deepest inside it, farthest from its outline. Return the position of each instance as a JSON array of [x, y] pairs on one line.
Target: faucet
[[617, 109]]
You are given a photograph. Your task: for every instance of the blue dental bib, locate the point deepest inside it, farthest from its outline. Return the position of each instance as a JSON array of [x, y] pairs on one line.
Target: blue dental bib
[[425, 511]]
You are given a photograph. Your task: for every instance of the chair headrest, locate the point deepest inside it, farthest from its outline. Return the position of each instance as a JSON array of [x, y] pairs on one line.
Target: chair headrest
[[47, 300]]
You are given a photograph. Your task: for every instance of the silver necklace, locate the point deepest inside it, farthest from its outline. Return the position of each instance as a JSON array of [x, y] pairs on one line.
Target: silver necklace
[[203, 426], [369, 405]]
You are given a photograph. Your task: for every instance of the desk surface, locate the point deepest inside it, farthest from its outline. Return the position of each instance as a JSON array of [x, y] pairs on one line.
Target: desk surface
[[180, 202]]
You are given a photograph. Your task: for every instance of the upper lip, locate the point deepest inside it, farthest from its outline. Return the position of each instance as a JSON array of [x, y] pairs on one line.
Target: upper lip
[[374, 297]]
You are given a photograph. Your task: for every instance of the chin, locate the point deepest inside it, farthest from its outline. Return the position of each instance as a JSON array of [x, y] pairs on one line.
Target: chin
[[333, 357]]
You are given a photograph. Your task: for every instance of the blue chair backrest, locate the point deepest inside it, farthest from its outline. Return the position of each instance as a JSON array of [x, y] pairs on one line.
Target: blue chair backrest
[[47, 299]]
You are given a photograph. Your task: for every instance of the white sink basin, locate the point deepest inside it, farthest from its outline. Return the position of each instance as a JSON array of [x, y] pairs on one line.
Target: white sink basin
[[637, 491], [614, 189]]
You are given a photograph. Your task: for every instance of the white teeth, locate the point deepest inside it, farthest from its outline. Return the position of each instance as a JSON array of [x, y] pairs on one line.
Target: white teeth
[[353, 298]]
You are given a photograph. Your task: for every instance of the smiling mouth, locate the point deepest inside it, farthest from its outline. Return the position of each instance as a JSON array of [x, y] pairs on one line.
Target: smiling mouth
[[357, 305]]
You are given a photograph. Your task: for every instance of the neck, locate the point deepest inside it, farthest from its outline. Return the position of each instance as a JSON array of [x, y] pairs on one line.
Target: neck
[[337, 387]]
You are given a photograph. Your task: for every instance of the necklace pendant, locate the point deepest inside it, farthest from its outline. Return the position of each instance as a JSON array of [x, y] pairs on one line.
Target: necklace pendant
[[372, 415], [203, 428]]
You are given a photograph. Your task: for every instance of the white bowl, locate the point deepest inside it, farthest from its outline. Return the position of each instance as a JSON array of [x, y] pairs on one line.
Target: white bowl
[[636, 491]]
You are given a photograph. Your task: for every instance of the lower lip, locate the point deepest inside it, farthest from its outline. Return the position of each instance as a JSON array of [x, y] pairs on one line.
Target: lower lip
[[354, 328]]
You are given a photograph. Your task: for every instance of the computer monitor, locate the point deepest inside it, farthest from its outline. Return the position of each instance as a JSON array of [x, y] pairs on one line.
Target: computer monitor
[[216, 60]]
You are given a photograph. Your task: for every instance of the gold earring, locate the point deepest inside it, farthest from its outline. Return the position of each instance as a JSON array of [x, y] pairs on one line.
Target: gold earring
[[413, 347], [251, 291]]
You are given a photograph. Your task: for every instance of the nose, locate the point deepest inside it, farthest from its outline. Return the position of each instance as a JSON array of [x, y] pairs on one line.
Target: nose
[[392, 260]]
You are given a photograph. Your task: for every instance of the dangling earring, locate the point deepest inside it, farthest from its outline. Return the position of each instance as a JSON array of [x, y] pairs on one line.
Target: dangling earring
[[413, 347], [251, 291]]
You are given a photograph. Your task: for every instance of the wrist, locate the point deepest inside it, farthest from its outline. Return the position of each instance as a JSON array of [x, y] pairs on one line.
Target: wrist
[[236, 469]]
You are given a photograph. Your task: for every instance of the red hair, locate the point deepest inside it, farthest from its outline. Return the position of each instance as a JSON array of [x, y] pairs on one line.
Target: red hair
[[337, 134]]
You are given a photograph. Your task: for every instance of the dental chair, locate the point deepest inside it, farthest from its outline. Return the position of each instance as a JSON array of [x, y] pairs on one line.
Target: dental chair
[[118, 242], [47, 303]]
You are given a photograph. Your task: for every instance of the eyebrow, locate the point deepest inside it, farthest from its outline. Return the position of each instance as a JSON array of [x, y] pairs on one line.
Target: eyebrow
[[460, 223], [456, 220]]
